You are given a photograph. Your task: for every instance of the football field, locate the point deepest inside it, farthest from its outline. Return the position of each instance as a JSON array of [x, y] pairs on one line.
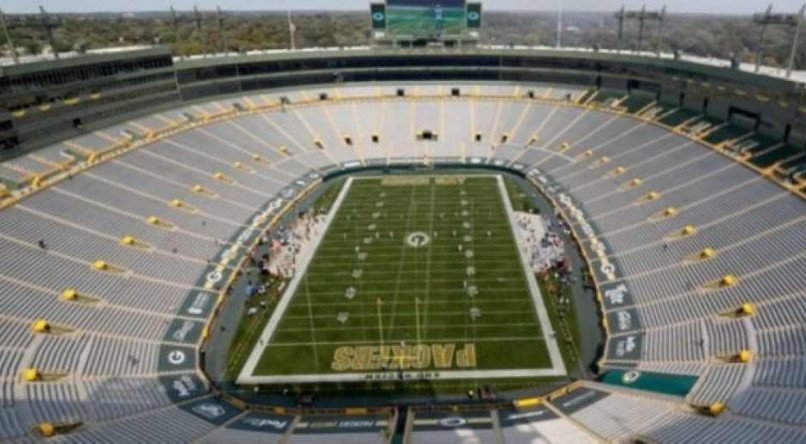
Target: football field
[[415, 277]]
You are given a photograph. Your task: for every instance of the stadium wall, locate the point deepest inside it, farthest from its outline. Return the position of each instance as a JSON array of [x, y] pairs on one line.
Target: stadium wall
[[46, 102], [100, 90]]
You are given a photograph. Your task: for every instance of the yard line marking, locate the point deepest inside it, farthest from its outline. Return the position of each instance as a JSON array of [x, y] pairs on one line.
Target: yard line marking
[[500, 325], [444, 313], [498, 251], [311, 324], [443, 280], [433, 301], [468, 301], [488, 303], [403, 249], [441, 340], [427, 267]]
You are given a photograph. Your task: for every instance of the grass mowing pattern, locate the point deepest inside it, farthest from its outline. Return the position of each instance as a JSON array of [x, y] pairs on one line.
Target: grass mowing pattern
[[506, 334]]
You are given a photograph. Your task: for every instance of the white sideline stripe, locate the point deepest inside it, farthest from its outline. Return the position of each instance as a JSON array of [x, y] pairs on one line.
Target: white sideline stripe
[[277, 316], [410, 376], [542, 315]]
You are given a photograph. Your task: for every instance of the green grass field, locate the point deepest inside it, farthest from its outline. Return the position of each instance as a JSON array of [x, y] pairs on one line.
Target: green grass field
[[453, 297]]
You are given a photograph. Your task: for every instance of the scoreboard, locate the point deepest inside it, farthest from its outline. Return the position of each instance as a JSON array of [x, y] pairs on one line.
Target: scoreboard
[[425, 19]]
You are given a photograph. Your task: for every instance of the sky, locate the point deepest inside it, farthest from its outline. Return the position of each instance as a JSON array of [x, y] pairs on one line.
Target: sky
[[674, 6]]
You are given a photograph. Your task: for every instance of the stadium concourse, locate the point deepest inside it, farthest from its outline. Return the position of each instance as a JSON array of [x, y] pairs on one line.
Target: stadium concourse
[[117, 246]]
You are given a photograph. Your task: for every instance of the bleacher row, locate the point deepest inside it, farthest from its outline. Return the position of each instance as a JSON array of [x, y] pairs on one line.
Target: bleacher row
[[590, 413], [112, 269]]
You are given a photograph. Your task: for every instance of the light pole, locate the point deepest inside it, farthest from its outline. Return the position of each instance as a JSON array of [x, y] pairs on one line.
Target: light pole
[[662, 19], [642, 16], [200, 29], [7, 35], [641, 20], [222, 33], [768, 18], [795, 39], [559, 25], [620, 16], [291, 27], [47, 28], [762, 38]]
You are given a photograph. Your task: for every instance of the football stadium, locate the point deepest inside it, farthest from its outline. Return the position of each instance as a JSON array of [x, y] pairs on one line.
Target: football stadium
[[425, 240]]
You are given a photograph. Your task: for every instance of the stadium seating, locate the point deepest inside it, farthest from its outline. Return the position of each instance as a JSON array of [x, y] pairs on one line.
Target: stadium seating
[[99, 325]]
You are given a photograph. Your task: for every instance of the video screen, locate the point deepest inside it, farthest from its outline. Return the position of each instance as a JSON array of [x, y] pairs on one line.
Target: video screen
[[425, 18]]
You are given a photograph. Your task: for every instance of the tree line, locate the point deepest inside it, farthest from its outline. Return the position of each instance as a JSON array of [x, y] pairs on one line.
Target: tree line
[[703, 35]]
